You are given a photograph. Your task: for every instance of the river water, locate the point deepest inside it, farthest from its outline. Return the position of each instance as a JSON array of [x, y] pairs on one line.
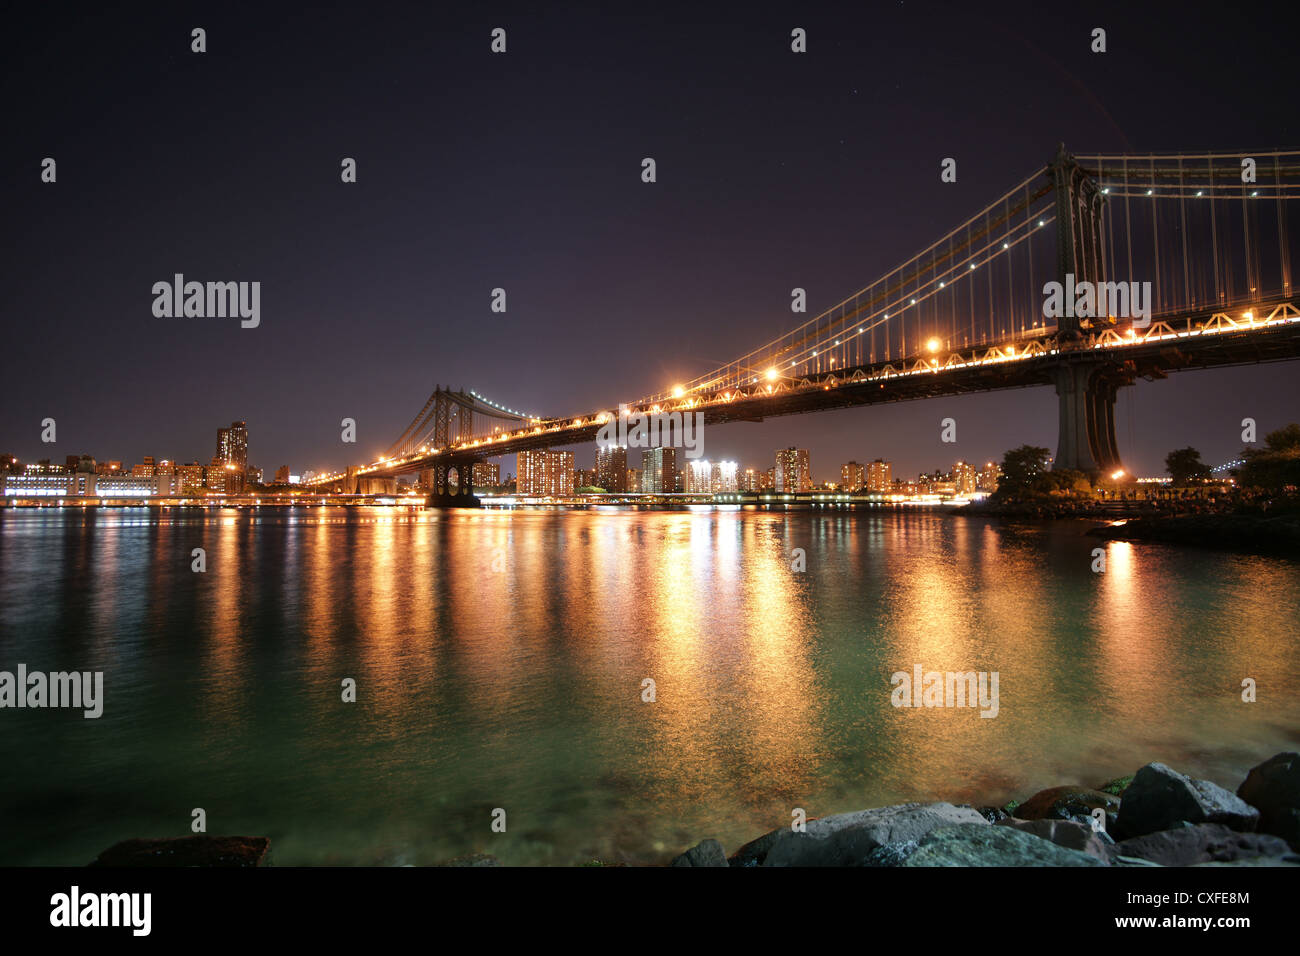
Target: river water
[[500, 661]]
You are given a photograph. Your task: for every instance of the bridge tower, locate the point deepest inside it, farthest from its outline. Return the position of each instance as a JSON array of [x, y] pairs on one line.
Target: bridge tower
[[1085, 386], [445, 493]]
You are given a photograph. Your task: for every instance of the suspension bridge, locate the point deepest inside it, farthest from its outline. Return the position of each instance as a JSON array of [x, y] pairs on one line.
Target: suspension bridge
[[1189, 253]]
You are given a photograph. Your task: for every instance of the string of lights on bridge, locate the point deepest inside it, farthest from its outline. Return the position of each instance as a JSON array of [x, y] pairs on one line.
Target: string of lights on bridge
[[497, 405], [895, 333]]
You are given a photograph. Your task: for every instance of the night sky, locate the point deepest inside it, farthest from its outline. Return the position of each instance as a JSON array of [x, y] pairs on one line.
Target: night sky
[[522, 171]]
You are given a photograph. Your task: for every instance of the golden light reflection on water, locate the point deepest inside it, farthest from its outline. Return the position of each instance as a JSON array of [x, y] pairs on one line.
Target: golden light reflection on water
[[500, 659]]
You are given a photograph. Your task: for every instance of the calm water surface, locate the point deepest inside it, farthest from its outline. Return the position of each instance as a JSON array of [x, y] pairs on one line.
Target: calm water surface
[[499, 659]]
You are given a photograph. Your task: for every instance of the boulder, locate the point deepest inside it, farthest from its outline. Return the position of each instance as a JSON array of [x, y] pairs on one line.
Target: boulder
[[1067, 833], [705, 853], [1066, 803], [754, 852], [1202, 843], [846, 839], [199, 850], [967, 845], [891, 854], [1274, 789], [1159, 798]]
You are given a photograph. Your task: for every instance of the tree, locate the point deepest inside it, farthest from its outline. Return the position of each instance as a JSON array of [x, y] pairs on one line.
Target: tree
[[1022, 470], [1276, 466], [1185, 466]]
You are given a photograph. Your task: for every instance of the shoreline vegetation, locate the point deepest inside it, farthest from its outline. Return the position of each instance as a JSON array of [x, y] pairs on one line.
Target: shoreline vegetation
[[1155, 817], [1252, 506]]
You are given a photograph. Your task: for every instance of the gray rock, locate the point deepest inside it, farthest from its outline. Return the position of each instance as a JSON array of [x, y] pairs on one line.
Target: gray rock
[[754, 852], [847, 839], [1158, 798], [1274, 789], [1067, 833], [967, 845], [1203, 843], [704, 853], [891, 854]]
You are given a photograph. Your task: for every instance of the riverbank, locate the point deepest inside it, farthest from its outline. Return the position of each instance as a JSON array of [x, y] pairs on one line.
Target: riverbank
[[1256, 534], [1156, 817]]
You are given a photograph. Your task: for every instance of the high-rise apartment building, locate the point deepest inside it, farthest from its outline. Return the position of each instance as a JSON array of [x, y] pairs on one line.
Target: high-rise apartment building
[[792, 472], [965, 478], [852, 476], [880, 476], [545, 472], [659, 471], [232, 445], [611, 467], [988, 477], [486, 474]]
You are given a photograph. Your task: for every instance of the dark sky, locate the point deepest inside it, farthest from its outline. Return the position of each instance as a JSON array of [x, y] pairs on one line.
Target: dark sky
[[523, 171]]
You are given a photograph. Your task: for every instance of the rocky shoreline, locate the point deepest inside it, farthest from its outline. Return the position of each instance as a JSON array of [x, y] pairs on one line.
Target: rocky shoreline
[[1156, 817]]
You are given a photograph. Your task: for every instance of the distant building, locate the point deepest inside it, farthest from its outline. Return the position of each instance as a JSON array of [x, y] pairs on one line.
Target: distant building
[[879, 476], [633, 481], [584, 478], [282, 475], [191, 477], [659, 471], [145, 469], [792, 470], [546, 472], [486, 474], [254, 475], [232, 445], [723, 476], [611, 467], [108, 468], [964, 478], [988, 477], [749, 480], [852, 476]]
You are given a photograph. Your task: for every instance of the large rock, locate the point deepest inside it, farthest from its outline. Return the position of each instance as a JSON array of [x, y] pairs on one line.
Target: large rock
[[198, 850], [754, 852], [847, 839], [1203, 843], [1274, 789], [1159, 798], [705, 853], [1067, 833], [1066, 803], [967, 845]]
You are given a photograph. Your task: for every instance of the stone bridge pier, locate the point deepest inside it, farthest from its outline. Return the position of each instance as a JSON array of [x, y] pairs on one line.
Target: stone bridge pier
[[1086, 393], [453, 485]]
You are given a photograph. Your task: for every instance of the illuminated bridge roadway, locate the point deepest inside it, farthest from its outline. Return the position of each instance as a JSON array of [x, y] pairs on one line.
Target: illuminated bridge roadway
[[1195, 260]]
